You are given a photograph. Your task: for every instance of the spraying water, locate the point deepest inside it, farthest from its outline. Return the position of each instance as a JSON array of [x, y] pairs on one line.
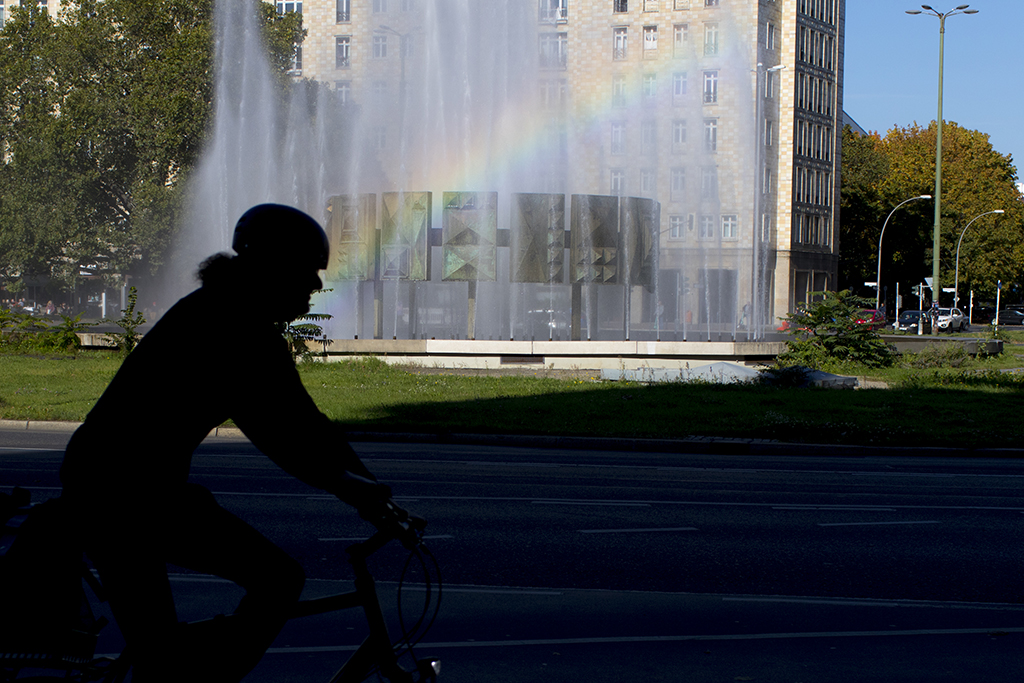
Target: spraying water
[[468, 114]]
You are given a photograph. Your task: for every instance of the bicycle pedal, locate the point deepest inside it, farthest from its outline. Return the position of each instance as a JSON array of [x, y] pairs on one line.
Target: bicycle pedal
[[428, 669]]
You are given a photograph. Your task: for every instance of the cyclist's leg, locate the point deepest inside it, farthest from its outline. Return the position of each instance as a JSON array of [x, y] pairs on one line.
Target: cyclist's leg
[[207, 538]]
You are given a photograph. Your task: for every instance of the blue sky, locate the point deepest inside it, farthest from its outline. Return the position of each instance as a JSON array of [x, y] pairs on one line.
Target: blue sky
[[892, 61]]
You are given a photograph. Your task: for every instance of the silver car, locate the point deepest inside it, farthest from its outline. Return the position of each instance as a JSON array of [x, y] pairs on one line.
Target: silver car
[[951, 320]]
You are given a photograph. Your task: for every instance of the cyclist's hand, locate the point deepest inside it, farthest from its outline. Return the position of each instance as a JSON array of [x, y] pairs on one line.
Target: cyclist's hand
[[373, 501]]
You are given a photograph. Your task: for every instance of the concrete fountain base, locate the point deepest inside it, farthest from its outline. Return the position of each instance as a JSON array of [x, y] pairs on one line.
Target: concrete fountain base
[[556, 355]]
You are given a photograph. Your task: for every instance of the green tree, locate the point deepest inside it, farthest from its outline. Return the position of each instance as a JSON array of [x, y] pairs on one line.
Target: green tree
[[831, 331], [975, 179], [105, 111]]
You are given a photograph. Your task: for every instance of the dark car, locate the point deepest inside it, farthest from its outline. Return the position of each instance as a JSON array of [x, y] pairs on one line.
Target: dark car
[[1009, 316], [907, 321]]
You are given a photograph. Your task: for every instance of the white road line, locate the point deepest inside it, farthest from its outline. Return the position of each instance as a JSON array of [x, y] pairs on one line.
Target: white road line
[[599, 503], [360, 539], [857, 508], [879, 602], [635, 531], [668, 639], [930, 521]]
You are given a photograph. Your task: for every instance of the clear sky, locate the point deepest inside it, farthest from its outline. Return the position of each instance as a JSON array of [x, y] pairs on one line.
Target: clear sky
[[892, 68]]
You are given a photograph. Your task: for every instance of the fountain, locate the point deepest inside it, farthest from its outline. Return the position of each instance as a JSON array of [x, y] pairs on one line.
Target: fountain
[[452, 197]]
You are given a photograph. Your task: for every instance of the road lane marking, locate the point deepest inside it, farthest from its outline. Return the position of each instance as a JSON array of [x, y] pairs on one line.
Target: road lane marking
[[666, 639], [857, 508], [599, 503], [635, 531], [930, 521], [360, 539]]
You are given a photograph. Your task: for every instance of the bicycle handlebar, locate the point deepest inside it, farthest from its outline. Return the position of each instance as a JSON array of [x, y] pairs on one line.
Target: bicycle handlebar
[[374, 503]]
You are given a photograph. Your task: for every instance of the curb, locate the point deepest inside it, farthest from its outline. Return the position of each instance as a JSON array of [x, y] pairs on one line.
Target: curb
[[695, 445]]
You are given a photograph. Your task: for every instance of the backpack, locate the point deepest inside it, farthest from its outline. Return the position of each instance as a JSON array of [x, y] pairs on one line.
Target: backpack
[[46, 618]]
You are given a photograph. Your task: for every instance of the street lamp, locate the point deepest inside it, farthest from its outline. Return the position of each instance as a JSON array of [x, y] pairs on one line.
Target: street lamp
[[956, 279], [878, 275], [961, 9]]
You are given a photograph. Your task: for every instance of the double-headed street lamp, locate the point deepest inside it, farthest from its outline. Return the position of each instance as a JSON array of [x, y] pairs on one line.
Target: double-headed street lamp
[[956, 279], [878, 275], [962, 9]]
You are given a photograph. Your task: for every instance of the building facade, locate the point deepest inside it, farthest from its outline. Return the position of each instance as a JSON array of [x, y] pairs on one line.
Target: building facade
[[728, 112]]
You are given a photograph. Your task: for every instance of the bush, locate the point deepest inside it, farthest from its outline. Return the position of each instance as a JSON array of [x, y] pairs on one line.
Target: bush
[[826, 332], [937, 356]]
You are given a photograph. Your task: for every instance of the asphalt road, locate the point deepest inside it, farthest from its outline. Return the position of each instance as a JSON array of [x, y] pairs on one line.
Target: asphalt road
[[565, 565]]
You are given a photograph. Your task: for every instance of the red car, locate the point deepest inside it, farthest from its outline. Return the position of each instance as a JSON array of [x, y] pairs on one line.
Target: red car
[[873, 318]]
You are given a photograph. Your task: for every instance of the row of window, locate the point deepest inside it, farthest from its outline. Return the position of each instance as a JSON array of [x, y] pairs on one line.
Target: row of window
[[42, 4], [649, 137], [822, 10], [812, 186], [813, 140], [343, 8], [648, 186], [814, 94], [680, 226], [812, 230], [680, 40], [619, 6], [680, 86], [815, 48]]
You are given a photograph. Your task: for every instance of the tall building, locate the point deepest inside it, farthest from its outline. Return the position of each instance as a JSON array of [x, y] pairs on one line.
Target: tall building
[[6, 5], [728, 112]]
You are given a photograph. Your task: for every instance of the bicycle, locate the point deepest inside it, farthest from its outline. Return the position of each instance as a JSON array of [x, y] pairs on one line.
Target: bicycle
[[70, 650]]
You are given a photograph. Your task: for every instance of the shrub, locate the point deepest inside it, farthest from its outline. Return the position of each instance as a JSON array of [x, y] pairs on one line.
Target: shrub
[[827, 331]]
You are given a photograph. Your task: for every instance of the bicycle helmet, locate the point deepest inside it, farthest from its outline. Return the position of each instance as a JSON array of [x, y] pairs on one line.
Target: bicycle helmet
[[281, 234]]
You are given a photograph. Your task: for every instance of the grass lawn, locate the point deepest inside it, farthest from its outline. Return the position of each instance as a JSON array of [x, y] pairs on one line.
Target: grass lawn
[[974, 405]]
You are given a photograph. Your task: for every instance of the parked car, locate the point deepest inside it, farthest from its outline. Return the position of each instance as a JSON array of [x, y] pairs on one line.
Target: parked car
[[1010, 316], [951, 320], [907, 321], [871, 317]]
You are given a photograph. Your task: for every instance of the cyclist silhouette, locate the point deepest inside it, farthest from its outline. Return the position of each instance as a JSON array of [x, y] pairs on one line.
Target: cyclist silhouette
[[215, 355]]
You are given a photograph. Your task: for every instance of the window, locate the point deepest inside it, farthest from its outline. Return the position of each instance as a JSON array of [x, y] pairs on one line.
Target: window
[[618, 139], [710, 135], [618, 181], [554, 50], [678, 86], [619, 40], [769, 84], [766, 181], [678, 135], [648, 137], [680, 37], [618, 90], [711, 3], [681, 4], [648, 181], [553, 93], [342, 52], [620, 6], [710, 87], [344, 90], [769, 37], [650, 38], [380, 91], [766, 228], [707, 227], [282, 7], [711, 39], [768, 133], [677, 188], [709, 182], [380, 47], [650, 88], [676, 227], [729, 227], [380, 6], [650, 5], [554, 10], [407, 5], [344, 10], [297, 61]]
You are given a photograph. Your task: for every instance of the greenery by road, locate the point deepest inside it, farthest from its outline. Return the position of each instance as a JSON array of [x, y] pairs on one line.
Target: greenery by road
[[935, 399]]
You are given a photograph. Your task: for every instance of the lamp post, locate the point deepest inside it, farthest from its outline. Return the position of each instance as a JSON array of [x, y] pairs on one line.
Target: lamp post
[[956, 278], [961, 9], [878, 275]]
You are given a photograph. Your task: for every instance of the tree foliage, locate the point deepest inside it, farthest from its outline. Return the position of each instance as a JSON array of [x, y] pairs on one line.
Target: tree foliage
[[879, 173], [105, 110]]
